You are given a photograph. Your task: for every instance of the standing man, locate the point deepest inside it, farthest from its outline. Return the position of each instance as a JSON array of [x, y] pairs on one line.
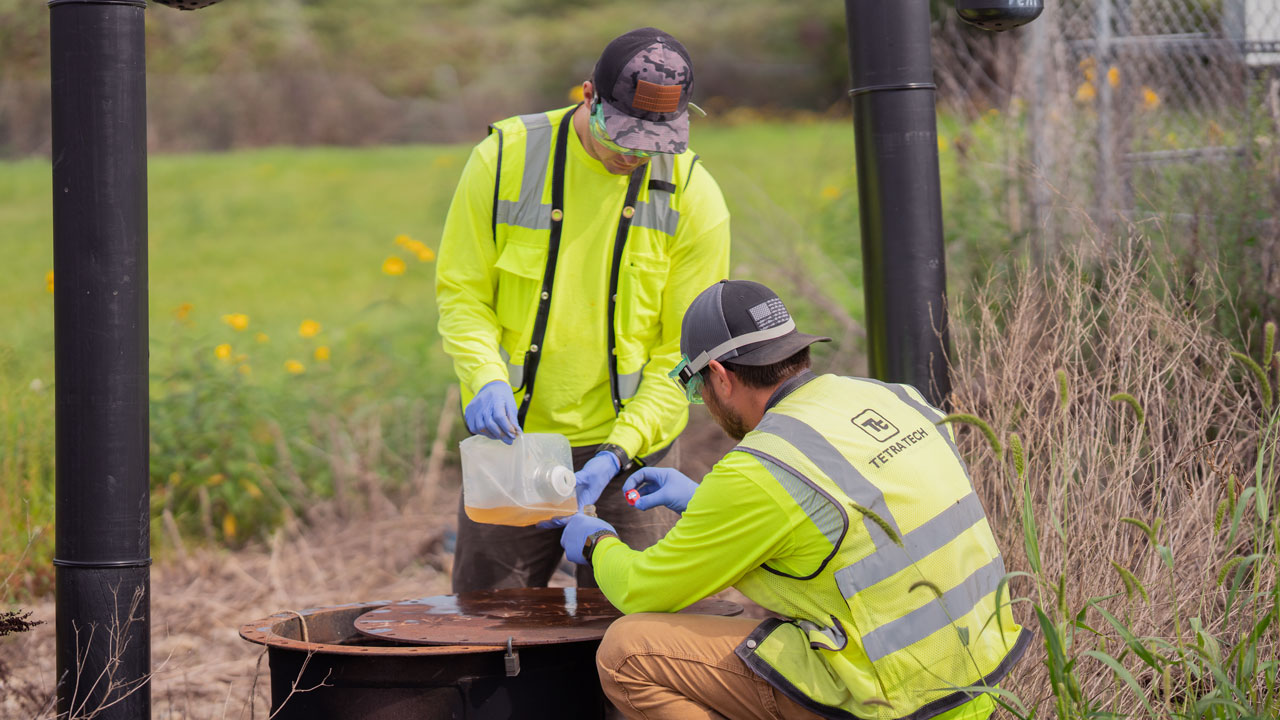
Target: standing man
[[575, 241], [845, 508]]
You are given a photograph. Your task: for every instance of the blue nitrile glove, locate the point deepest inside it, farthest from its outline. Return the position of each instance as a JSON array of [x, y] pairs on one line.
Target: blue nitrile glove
[[661, 486], [576, 532], [595, 476], [492, 413]]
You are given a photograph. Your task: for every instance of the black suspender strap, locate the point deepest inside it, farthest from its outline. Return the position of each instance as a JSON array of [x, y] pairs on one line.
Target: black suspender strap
[[497, 182], [534, 353], [620, 242]]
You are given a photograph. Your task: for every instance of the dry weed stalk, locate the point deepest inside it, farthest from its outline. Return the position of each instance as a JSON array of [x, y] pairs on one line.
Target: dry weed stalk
[[1127, 407]]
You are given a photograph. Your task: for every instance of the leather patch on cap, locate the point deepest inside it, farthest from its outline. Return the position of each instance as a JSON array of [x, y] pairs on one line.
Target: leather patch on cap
[[652, 97]]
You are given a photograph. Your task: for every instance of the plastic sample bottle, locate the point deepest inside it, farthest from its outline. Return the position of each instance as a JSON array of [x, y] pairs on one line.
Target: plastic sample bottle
[[520, 484]]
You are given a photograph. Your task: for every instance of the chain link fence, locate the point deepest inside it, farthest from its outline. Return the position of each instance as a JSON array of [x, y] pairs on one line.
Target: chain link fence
[[1160, 115]]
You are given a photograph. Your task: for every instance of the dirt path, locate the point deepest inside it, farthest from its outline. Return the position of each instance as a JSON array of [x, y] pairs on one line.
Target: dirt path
[[203, 670]]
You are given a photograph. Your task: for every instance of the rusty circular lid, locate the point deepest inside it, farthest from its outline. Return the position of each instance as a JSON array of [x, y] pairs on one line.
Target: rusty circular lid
[[528, 616]]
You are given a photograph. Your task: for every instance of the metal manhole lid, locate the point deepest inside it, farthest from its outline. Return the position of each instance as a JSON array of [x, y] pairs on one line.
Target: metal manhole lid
[[530, 616]]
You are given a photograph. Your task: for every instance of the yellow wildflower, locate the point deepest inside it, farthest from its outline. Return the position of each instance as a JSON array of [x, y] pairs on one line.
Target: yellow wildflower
[[238, 321], [223, 351], [403, 240], [830, 192], [426, 254], [229, 526], [216, 479], [1089, 67], [393, 266], [575, 94], [48, 281], [322, 353], [182, 311], [251, 488], [262, 337], [309, 328], [1150, 100], [942, 144], [245, 370], [1086, 92], [1113, 76], [293, 367]]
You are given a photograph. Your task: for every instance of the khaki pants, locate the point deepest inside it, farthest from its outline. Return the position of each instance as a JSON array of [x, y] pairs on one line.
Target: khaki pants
[[663, 666], [489, 557], [682, 666]]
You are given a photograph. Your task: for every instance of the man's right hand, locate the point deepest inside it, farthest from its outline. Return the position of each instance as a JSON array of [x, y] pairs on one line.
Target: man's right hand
[[661, 486], [492, 413]]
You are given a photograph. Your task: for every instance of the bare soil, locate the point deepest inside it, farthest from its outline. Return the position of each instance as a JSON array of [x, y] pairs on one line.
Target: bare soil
[[201, 596]]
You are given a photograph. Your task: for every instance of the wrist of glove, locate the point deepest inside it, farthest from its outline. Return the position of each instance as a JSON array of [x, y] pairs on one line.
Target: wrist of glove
[[661, 486], [492, 413], [594, 477], [577, 531]]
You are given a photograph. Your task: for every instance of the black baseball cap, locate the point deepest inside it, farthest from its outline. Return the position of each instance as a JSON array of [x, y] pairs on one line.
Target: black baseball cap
[[743, 322], [644, 79]]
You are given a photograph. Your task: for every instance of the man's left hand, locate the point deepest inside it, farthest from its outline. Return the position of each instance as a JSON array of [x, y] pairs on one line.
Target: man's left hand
[[576, 531], [594, 477]]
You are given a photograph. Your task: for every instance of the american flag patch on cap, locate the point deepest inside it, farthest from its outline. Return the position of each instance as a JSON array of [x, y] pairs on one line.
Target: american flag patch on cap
[[770, 313]]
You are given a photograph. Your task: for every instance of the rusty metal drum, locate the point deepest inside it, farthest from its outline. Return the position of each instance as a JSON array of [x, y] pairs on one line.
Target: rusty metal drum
[[516, 653]]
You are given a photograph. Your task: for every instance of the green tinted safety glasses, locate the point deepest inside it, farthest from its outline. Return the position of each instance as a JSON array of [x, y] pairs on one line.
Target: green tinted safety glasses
[[601, 135], [688, 380]]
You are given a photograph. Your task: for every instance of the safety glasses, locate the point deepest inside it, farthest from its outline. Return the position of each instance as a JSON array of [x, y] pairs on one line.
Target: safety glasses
[[602, 136], [689, 380]]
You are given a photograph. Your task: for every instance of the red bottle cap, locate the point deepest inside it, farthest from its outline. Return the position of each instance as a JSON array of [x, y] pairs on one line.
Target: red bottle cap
[[632, 496]]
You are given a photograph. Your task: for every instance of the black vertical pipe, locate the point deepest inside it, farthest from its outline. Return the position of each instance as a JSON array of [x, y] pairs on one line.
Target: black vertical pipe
[[102, 536], [899, 196]]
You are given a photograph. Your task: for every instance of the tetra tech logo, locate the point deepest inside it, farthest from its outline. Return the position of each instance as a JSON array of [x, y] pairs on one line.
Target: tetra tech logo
[[874, 424]]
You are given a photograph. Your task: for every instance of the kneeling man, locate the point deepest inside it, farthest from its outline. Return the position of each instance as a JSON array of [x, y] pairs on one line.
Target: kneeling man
[[844, 509]]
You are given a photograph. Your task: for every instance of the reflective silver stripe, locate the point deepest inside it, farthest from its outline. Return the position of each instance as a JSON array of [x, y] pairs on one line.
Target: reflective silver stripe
[[936, 615], [515, 373], [833, 633], [819, 509], [629, 384], [930, 414], [918, 544], [529, 211], [656, 213], [835, 466]]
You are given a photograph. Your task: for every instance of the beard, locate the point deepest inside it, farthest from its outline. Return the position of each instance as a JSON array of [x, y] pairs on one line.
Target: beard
[[728, 420]]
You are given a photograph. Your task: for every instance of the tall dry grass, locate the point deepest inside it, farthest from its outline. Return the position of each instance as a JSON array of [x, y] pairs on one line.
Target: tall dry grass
[[1120, 401]]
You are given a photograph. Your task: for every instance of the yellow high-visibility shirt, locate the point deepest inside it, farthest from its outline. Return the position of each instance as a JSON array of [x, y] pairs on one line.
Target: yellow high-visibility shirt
[[572, 393]]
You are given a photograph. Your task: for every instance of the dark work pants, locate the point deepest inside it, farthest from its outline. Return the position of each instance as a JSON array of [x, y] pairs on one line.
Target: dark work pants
[[489, 557]]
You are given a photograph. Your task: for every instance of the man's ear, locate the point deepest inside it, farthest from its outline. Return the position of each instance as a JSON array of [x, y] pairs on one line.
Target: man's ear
[[588, 92], [724, 380]]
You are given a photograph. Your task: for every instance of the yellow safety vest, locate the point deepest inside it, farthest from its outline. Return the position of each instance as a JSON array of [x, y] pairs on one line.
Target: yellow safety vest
[[904, 610], [528, 210]]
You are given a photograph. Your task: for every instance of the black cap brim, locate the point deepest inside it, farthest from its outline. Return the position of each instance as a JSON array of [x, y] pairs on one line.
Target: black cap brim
[[772, 351]]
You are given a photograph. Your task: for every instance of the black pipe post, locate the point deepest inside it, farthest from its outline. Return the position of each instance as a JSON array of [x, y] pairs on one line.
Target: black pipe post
[[102, 535], [899, 195]]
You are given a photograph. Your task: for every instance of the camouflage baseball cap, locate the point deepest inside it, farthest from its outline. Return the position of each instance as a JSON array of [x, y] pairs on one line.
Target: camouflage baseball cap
[[644, 79]]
